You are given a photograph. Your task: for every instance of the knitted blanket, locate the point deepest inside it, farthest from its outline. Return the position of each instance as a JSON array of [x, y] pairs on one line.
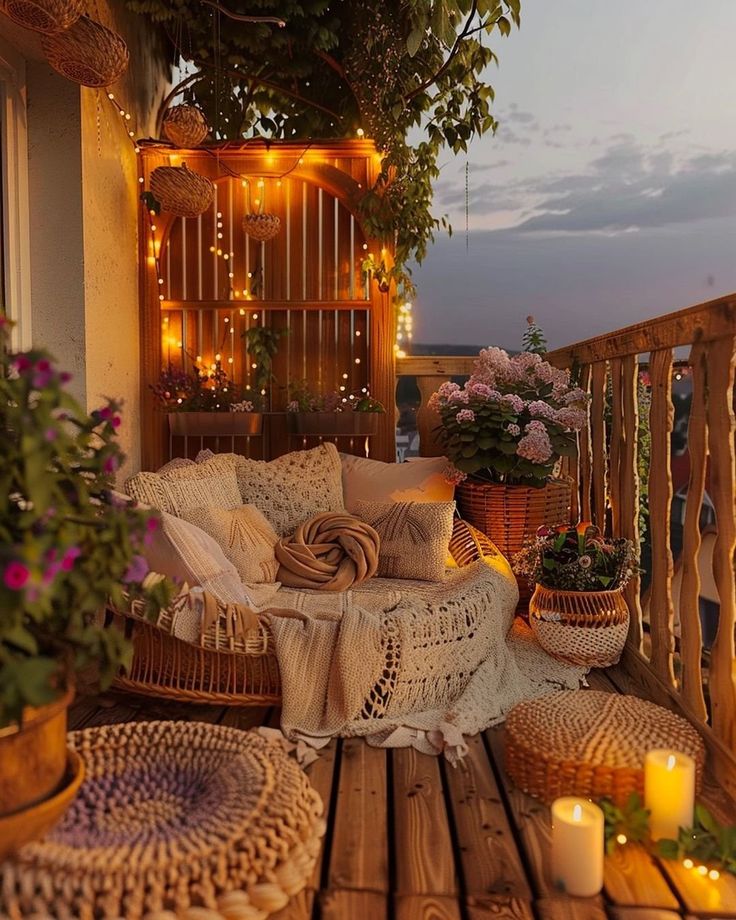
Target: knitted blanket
[[406, 662]]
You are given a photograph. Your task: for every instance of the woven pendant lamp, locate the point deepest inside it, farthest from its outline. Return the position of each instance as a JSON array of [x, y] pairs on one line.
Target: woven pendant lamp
[[185, 125], [180, 191], [88, 53], [45, 16], [262, 227]]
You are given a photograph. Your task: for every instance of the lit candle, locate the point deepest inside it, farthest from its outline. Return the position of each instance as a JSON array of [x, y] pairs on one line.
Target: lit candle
[[577, 846], [669, 792]]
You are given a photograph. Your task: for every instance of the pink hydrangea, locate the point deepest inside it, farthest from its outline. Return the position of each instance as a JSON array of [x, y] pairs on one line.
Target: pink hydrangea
[[454, 476], [513, 402], [569, 417], [535, 446], [477, 389], [541, 409], [513, 430], [465, 415]]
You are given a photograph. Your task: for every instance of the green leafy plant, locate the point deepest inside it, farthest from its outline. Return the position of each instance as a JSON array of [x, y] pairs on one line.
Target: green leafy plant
[[534, 339], [66, 544], [707, 842], [576, 559], [262, 344], [625, 824], [324, 70], [303, 399]]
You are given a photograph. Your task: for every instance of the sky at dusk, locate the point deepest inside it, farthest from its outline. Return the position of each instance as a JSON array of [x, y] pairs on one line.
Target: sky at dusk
[[608, 194]]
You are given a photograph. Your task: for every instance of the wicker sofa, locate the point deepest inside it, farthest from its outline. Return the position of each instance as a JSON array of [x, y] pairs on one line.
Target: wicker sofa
[[233, 671]]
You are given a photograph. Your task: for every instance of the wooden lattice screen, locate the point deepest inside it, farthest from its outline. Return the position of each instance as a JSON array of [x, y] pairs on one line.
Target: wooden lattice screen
[[307, 280]]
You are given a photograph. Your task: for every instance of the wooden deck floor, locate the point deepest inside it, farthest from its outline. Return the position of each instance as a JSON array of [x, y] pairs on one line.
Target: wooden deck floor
[[411, 838]]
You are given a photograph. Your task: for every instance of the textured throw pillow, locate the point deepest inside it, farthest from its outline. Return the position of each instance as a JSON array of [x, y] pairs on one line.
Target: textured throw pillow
[[195, 485], [189, 555], [415, 537], [421, 480], [291, 488], [245, 537]]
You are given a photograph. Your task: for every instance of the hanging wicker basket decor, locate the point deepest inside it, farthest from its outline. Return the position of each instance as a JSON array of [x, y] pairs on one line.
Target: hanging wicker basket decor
[[185, 126], [87, 53], [261, 227], [180, 191], [46, 16]]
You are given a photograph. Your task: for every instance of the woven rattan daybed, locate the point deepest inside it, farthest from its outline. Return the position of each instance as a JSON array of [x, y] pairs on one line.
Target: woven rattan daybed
[[233, 671]]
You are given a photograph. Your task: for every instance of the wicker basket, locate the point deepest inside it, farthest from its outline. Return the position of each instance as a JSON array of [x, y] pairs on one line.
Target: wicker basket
[[580, 627], [261, 227], [46, 16], [87, 53], [185, 126], [591, 744], [180, 191]]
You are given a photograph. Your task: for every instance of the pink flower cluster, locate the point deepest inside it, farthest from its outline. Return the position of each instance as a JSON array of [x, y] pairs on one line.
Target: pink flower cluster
[[535, 446], [465, 415]]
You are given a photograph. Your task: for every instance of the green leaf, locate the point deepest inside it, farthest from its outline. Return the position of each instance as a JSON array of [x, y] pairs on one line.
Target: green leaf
[[414, 41]]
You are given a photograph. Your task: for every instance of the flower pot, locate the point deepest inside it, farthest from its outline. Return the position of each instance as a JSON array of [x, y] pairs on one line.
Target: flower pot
[[334, 423], [587, 628], [215, 424], [34, 768]]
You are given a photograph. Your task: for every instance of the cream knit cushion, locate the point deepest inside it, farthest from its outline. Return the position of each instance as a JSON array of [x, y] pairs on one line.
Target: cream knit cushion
[[245, 537], [415, 537], [292, 488], [197, 485], [189, 555], [420, 480]]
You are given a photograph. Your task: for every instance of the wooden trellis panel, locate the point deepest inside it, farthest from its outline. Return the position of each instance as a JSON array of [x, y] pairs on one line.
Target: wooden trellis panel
[[216, 283]]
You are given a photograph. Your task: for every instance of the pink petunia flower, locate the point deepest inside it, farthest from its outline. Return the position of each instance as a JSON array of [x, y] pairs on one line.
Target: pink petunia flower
[[16, 575]]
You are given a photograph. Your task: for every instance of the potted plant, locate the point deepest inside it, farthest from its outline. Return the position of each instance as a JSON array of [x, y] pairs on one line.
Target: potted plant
[[262, 345], [333, 413], [205, 402], [578, 611], [504, 432], [66, 547]]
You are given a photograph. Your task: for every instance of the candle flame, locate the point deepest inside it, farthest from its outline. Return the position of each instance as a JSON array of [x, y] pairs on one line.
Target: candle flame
[[671, 761], [577, 813]]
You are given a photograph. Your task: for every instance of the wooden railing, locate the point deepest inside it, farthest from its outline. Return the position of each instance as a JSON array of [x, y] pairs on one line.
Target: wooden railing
[[627, 373]]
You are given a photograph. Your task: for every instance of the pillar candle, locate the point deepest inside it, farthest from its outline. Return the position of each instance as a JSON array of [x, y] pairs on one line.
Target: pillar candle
[[669, 792], [577, 846]]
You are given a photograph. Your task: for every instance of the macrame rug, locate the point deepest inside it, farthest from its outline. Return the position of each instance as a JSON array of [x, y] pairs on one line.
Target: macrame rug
[[408, 662], [173, 820]]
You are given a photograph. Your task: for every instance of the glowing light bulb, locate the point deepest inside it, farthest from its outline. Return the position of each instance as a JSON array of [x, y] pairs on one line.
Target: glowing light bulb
[[688, 863], [702, 870], [360, 132], [714, 874], [621, 839], [218, 356], [357, 360], [242, 312]]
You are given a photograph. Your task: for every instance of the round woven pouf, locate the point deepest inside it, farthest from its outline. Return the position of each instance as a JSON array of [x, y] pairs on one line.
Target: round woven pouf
[[172, 817], [591, 744]]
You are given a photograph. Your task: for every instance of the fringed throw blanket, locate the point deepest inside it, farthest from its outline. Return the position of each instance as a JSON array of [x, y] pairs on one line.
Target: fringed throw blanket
[[408, 663]]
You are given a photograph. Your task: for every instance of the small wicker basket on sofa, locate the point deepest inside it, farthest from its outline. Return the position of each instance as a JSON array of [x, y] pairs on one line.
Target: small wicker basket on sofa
[[226, 671]]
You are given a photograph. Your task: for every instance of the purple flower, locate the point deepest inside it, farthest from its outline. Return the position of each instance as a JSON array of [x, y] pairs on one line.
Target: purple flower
[[21, 364], [70, 554], [51, 434], [110, 465], [136, 571], [16, 575], [65, 377]]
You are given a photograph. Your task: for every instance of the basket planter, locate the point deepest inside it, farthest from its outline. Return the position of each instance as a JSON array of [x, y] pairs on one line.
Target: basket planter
[[261, 227], [185, 126], [215, 424], [88, 53], [587, 628], [45, 16], [35, 772], [333, 423], [180, 191]]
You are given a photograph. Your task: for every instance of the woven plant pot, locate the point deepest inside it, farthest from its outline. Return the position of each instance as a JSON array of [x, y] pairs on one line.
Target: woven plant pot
[[185, 126], [46, 16], [180, 191], [87, 53], [580, 627], [215, 424], [261, 227], [511, 515], [333, 423]]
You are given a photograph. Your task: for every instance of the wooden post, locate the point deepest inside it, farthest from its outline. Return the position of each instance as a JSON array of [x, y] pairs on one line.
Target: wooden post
[[585, 460], [618, 437], [691, 642], [660, 499], [722, 471], [598, 441], [629, 515]]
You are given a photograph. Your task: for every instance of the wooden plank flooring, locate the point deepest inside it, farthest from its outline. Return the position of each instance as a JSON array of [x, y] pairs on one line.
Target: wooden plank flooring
[[411, 838]]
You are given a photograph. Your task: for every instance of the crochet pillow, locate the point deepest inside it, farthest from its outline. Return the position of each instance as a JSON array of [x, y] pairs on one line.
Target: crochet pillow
[[244, 536], [415, 537], [189, 555], [419, 480], [196, 485], [291, 488]]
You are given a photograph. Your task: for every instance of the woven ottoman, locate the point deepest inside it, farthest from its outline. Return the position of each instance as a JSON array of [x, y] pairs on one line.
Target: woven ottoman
[[591, 744], [173, 820]]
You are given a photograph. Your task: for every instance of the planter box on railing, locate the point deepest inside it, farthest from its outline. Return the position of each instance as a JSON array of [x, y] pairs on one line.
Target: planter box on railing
[[215, 424], [360, 424]]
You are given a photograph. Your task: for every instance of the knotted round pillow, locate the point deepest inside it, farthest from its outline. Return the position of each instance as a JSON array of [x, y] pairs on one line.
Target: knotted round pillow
[[331, 551]]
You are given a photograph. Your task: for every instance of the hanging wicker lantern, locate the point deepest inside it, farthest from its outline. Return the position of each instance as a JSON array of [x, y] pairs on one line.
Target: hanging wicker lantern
[[47, 16], [261, 227], [87, 53], [181, 191], [185, 126]]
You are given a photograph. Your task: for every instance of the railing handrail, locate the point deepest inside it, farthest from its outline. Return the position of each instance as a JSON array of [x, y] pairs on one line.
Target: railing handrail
[[435, 365]]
